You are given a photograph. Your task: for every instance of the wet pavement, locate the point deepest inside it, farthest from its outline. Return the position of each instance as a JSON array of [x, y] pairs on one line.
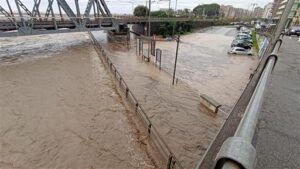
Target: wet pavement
[[278, 135], [61, 110]]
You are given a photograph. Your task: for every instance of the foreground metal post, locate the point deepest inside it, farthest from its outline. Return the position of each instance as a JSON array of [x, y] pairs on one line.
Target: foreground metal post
[[174, 73], [237, 152]]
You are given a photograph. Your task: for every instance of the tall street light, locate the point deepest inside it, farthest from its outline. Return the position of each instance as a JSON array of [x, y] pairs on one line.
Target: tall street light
[[149, 29]]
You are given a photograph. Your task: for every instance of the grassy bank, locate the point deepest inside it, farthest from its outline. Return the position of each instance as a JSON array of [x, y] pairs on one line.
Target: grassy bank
[[254, 39]]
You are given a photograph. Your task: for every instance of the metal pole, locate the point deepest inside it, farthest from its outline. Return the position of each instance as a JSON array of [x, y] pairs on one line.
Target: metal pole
[[282, 21], [59, 9], [176, 8], [149, 29], [174, 73], [239, 148], [169, 13]]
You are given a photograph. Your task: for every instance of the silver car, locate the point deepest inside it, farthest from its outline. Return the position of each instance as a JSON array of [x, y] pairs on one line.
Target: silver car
[[240, 51]]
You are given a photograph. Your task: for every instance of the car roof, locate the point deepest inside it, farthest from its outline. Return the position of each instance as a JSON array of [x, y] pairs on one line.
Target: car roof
[[238, 48]]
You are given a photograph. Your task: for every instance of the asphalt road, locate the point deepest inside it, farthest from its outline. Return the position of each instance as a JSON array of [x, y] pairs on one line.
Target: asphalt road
[[278, 136]]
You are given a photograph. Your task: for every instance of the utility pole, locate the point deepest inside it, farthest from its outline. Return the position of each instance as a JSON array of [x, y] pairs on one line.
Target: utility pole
[[176, 8], [175, 65], [169, 8], [149, 29]]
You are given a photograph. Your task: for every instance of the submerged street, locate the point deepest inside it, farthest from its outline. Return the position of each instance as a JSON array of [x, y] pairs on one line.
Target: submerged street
[[61, 103], [62, 111], [155, 84]]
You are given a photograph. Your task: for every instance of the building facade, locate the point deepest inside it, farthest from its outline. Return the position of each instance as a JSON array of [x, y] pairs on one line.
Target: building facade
[[258, 12], [229, 12], [294, 13], [267, 13]]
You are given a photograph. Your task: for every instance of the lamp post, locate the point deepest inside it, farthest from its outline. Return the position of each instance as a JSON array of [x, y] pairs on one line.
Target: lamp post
[[149, 29], [175, 65]]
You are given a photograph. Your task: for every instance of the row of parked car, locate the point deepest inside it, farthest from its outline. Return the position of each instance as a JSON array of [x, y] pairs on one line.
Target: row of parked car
[[295, 30], [242, 44]]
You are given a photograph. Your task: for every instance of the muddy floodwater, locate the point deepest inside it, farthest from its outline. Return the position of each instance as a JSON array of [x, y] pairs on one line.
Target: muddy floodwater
[[204, 64], [203, 68], [59, 108]]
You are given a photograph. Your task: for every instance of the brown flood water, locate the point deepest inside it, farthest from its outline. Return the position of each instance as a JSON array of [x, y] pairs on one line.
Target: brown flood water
[[63, 112], [173, 110], [203, 68]]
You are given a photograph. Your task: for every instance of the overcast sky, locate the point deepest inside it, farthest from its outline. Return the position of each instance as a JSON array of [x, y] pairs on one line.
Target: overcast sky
[[126, 6]]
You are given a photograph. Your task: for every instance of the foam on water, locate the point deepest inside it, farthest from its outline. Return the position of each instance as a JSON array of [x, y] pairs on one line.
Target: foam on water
[[14, 49]]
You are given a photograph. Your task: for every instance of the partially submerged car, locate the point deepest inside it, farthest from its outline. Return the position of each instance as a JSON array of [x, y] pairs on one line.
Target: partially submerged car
[[241, 43], [240, 51]]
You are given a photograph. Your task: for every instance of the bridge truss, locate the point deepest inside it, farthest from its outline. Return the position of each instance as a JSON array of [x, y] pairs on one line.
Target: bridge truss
[[96, 14]]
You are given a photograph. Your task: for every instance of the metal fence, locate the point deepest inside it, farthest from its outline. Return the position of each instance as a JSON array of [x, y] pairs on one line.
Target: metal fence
[[237, 152], [170, 160]]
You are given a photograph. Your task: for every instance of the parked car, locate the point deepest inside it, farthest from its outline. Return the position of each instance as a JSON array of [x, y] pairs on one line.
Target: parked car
[[295, 30], [241, 43], [245, 38], [257, 26], [248, 32], [240, 51]]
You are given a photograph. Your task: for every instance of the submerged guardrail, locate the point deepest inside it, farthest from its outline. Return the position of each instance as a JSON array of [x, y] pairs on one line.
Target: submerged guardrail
[[170, 160]]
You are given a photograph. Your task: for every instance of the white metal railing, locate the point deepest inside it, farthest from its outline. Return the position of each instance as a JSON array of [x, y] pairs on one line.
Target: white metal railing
[[237, 152]]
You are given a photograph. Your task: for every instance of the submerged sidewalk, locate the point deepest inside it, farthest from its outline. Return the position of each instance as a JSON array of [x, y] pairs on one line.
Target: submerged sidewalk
[[278, 137], [174, 110]]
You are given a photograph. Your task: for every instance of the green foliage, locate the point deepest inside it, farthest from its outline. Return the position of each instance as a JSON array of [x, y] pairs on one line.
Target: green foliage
[[207, 10], [173, 28], [140, 11], [254, 39], [183, 13], [159, 13]]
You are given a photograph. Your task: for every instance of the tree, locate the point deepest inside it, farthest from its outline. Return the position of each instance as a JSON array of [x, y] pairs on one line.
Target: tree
[[183, 13], [207, 10], [140, 11], [159, 13]]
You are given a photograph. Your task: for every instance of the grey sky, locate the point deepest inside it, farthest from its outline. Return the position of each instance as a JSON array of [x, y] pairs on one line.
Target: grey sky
[[126, 6]]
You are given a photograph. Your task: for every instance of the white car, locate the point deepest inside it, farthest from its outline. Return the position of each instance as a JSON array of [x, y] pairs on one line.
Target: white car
[[240, 51]]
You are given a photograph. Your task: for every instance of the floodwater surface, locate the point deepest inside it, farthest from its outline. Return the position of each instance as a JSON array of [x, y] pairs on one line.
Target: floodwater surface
[[204, 64], [62, 111], [203, 68]]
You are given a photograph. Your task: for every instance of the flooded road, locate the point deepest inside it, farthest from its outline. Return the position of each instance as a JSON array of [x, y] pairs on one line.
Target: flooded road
[[60, 110], [203, 63], [174, 111], [59, 107], [203, 68]]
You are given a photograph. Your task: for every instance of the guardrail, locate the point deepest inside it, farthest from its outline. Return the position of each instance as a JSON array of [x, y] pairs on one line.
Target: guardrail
[[237, 152], [170, 160]]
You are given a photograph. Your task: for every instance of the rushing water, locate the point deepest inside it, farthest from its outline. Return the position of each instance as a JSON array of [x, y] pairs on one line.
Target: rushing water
[[204, 68], [60, 109], [204, 64]]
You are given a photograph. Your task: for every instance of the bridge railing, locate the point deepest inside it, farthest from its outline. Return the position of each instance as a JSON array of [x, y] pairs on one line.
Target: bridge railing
[[118, 17], [237, 152], [170, 161]]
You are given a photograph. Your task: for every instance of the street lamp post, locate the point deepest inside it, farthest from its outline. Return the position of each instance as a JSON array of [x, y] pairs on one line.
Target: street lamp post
[[174, 73], [149, 29]]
